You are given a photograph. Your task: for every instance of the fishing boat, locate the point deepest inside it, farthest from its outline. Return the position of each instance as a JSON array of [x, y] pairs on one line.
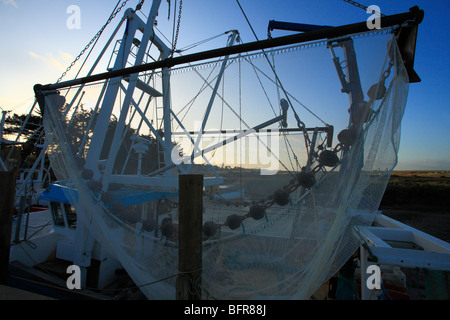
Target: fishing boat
[[295, 138]]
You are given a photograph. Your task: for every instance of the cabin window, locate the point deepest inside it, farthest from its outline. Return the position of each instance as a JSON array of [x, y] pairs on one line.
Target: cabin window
[[71, 215], [58, 215]]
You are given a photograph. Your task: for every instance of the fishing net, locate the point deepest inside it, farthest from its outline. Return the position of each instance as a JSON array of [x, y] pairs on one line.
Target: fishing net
[[283, 197]]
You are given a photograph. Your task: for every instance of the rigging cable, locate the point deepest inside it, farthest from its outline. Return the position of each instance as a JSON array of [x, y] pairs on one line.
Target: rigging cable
[[200, 42], [240, 126], [299, 122], [90, 51], [207, 84], [94, 39], [286, 140]]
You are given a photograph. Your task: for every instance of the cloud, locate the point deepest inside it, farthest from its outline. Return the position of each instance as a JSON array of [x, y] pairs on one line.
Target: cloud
[[10, 2], [61, 62]]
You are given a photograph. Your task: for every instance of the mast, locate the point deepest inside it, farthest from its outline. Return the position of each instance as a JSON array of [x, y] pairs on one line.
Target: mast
[[133, 24]]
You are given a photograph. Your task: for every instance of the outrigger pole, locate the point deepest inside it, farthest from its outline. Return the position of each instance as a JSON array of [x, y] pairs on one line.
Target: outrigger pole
[[406, 37]]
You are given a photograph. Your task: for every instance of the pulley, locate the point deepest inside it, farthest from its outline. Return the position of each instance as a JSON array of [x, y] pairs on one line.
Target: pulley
[[234, 221], [347, 136], [281, 197], [306, 179], [284, 108], [257, 212], [328, 158], [209, 228], [377, 91]]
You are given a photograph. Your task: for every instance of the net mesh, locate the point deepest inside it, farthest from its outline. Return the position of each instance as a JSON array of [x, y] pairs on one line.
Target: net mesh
[[281, 207]]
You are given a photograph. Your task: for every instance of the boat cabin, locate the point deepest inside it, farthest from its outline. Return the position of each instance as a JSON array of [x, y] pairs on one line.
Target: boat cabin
[[61, 201]]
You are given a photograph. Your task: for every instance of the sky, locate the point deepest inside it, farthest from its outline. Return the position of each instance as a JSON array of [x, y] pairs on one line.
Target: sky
[[40, 38]]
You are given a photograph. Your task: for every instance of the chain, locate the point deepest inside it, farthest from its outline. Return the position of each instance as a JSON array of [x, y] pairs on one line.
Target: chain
[[361, 6], [139, 6], [94, 39], [356, 4], [174, 45], [388, 71]]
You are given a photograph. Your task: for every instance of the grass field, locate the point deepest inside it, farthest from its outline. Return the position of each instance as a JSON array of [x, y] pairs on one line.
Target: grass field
[[430, 189], [420, 199]]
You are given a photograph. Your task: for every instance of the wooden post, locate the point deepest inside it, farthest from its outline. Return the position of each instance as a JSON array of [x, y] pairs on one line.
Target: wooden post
[[7, 194], [190, 237]]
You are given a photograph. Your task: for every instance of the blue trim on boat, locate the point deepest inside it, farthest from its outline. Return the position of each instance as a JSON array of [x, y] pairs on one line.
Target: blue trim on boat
[[129, 198], [60, 193]]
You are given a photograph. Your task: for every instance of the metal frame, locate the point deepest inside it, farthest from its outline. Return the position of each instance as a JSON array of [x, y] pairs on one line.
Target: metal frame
[[390, 242], [425, 250], [414, 16]]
